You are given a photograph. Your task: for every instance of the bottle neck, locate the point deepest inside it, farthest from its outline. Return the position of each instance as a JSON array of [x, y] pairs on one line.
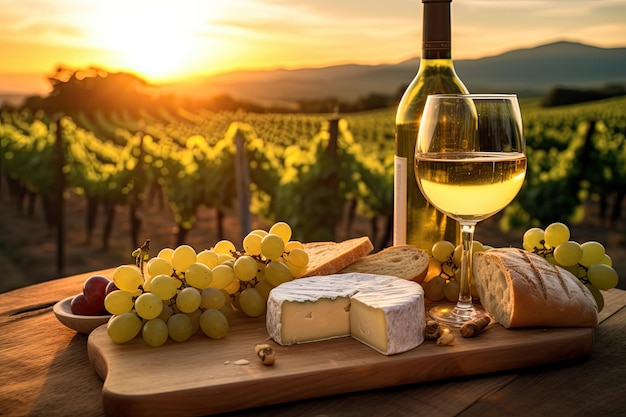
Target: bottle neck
[[436, 30]]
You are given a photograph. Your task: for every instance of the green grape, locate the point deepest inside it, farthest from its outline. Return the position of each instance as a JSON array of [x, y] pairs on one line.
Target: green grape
[[260, 274], [277, 272], [147, 284], [533, 238], [212, 298], [166, 253], [555, 234], [188, 300], [157, 266], [434, 288], [293, 244], [449, 270], [568, 253], [606, 260], [298, 257], [245, 268], [252, 302], [223, 276], [154, 332], [198, 275], [163, 286], [597, 296], [223, 258], [458, 254], [281, 229], [575, 270], [252, 244], [259, 232], [227, 311], [233, 287], [225, 247], [443, 251], [451, 290], [208, 258], [182, 257], [179, 327], [166, 311], [214, 324], [148, 306], [124, 327], [550, 258], [272, 246], [602, 276], [118, 302], [127, 278], [295, 270], [434, 269], [194, 316], [477, 246], [593, 253], [264, 288]]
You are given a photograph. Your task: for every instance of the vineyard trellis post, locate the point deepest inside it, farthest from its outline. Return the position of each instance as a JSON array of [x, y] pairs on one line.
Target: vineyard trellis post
[[332, 181], [242, 178], [59, 189]]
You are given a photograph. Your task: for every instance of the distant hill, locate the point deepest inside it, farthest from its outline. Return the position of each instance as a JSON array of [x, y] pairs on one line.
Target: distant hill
[[526, 72]]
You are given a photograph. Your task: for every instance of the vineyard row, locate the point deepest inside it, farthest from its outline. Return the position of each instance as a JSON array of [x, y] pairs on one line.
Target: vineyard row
[[301, 168]]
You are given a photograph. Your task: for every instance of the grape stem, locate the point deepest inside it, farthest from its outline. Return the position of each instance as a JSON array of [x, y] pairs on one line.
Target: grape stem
[[141, 255]]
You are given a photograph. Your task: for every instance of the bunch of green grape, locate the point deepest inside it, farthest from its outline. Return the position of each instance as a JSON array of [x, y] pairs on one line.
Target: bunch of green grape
[[588, 261], [442, 279], [181, 291]]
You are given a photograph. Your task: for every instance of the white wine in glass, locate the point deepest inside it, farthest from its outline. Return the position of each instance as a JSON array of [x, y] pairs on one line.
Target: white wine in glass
[[470, 163]]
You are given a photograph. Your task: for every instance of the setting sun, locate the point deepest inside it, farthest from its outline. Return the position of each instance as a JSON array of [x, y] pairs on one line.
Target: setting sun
[[159, 40]]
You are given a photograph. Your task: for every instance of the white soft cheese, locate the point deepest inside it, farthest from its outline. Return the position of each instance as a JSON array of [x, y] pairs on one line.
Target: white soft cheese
[[384, 312]]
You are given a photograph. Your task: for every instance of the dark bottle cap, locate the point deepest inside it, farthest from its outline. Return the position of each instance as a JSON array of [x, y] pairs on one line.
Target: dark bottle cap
[[436, 29]]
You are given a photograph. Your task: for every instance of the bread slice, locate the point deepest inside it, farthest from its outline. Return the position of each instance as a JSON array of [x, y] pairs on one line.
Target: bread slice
[[522, 289], [402, 261], [327, 258]]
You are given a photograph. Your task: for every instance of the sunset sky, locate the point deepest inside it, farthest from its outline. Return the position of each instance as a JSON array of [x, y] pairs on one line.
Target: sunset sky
[[166, 40]]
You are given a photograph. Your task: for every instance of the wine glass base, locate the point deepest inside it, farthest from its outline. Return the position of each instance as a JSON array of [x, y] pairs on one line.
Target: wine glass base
[[452, 315]]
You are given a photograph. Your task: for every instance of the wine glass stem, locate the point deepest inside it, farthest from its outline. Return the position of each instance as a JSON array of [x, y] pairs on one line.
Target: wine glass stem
[[467, 240]]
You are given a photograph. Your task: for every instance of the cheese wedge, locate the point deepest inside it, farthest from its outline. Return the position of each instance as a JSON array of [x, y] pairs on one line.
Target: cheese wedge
[[383, 312]]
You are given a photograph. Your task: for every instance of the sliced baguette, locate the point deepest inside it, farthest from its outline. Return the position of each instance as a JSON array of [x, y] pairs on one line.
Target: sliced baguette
[[522, 289], [327, 258], [402, 261]]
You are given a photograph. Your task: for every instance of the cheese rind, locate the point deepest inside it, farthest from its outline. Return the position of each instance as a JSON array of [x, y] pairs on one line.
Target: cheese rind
[[383, 312]]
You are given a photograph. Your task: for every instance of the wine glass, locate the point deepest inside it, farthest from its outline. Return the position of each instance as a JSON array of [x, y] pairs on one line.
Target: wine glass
[[470, 163]]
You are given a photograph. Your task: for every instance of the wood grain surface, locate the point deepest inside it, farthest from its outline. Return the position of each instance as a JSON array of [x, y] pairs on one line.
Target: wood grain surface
[[45, 371], [196, 377]]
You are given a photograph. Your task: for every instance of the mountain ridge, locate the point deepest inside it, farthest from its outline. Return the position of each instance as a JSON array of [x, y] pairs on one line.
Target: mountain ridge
[[531, 71], [527, 71]]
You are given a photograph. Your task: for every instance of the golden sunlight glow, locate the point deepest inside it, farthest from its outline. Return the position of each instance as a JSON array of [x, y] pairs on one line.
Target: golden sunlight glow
[[160, 40]]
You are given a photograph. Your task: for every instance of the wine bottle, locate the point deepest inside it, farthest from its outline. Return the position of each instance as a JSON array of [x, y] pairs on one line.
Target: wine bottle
[[416, 221]]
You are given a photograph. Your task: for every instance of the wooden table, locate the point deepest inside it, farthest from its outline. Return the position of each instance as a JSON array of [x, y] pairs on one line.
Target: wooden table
[[44, 371]]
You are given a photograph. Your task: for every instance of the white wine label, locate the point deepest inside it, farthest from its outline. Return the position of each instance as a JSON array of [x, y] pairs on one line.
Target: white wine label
[[399, 200]]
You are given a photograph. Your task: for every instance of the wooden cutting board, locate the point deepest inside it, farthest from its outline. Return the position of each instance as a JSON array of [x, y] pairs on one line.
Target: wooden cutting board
[[200, 377]]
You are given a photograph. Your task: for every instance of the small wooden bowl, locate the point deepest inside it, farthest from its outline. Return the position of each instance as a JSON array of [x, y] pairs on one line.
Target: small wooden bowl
[[82, 324]]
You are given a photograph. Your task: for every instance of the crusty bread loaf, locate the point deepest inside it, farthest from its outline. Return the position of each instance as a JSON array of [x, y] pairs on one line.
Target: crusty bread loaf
[[522, 289], [327, 258], [402, 261]]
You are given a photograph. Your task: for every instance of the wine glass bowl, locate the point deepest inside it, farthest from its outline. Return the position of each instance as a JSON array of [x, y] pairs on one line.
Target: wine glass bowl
[[470, 163]]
